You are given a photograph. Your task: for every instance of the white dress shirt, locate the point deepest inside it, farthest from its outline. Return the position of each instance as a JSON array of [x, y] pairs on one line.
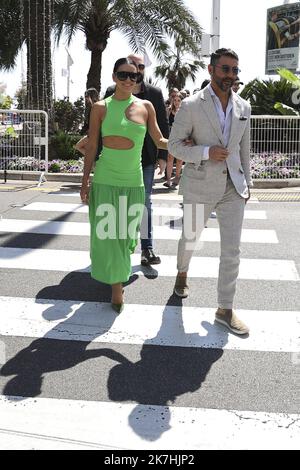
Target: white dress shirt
[[225, 119]]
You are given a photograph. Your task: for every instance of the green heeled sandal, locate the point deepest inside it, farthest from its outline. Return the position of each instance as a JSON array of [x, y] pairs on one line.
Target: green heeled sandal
[[118, 308]]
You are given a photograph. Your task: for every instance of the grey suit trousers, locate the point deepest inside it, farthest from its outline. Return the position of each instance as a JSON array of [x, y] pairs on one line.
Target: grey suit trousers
[[230, 213]]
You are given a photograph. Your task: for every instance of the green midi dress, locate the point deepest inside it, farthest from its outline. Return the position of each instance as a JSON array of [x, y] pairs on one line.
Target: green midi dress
[[117, 197]]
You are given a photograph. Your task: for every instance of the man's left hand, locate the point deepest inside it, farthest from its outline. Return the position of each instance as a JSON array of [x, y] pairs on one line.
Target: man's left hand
[[249, 195], [161, 164]]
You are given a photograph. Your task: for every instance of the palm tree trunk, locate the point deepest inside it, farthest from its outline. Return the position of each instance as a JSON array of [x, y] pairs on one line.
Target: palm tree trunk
[[39, 67], [94, 74]]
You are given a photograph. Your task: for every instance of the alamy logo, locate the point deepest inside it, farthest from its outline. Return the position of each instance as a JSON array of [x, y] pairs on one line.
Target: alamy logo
[[296, 94], [127, 219]]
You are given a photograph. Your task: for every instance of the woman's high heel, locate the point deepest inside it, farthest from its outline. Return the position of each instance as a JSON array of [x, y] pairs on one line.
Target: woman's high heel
[[118, 308]]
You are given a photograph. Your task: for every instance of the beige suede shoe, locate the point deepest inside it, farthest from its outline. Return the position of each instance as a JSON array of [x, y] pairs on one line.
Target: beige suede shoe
[[228, 318]]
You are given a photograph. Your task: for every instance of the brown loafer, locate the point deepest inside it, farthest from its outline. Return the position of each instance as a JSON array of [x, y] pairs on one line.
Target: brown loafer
[[181, 289]]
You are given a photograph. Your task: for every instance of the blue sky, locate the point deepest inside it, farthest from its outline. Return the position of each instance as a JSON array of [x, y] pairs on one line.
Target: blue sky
[[243, 28]]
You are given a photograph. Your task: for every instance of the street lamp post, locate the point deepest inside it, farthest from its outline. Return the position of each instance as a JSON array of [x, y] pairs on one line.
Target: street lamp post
[[215, 36], [211, 42]]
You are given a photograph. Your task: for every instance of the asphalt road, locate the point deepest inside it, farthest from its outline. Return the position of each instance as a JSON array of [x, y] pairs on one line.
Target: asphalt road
[[228, 373]]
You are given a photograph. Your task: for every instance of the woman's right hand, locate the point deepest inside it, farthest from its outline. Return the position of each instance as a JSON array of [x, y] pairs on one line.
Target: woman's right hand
[[84, 193]]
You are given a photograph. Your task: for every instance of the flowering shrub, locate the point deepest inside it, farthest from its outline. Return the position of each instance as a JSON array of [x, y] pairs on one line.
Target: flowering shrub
[[262, 165], [54, 166], [274, 165]]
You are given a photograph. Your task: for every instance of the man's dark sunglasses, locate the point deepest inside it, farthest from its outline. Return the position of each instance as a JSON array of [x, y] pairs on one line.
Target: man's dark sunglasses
[[227, 69], [124, 75], [141, 66]]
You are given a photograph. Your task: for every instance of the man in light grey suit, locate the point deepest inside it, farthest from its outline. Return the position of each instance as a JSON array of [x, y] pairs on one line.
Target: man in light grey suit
[[216, 176]]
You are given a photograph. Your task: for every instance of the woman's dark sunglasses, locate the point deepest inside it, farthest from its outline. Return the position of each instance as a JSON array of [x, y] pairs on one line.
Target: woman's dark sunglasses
[[124, 75]]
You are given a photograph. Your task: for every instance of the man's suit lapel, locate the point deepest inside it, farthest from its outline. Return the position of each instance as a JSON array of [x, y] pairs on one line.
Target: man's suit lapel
[[236, 113], [210, 110]]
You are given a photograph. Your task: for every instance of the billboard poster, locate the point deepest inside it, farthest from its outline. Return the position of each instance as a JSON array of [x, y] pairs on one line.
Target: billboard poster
[[283, 31]]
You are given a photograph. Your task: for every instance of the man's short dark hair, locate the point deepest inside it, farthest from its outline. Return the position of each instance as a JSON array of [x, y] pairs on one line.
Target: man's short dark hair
[[216, 56], [92, 93]]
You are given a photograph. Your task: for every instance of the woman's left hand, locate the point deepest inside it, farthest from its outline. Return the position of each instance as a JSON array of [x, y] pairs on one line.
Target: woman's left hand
[[84, 193]]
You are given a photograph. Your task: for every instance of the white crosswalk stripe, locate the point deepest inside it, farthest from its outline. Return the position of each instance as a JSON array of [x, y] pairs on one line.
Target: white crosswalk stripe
[[161, 211], [169, 197], [203, 267], [34, 318], [97, 424], [160, 232], [50, 416]]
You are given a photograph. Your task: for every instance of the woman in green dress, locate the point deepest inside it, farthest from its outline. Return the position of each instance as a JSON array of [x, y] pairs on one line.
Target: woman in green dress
[[116, 195]]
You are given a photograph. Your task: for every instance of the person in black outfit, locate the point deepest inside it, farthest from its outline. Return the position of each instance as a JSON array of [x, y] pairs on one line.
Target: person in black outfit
[[150, 155], [91, 95]]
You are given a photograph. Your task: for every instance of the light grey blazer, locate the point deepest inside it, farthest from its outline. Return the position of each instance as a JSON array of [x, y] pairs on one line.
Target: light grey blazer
[[205, 180]]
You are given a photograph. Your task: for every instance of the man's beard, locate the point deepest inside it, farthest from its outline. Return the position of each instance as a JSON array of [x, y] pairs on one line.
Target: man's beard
[[140, 77], [223, 85]]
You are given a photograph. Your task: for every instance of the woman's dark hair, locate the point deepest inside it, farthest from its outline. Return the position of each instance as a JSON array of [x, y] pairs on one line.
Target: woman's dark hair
[[216, 56], [122, 61], [92, 93]]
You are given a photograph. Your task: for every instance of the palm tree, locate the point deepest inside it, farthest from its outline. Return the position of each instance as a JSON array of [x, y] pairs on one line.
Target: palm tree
[[263, 94], [177, 67], [267, 98], [10, 41], [29, 21], [37, 30], [144, 23], [293, 79]]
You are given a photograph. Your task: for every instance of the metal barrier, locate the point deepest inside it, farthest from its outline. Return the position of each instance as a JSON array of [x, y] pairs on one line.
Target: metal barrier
[[275, 147], [24, 141], [275, 144]]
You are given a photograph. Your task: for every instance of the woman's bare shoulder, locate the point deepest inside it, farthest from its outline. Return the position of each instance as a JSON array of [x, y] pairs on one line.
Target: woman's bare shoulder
[[99, 107], [147, 104]]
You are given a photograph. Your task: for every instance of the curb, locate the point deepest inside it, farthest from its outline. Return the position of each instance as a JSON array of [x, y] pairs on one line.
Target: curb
[[76, 178]]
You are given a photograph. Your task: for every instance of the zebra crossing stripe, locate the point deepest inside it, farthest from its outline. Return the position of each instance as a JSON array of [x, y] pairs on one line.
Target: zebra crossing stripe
[[49, 423], [159, 232], [202, 267], [191, 327], [161, 211], [168, 196]]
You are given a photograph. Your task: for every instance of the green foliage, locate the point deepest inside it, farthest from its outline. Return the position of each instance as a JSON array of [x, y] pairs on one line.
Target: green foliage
[[289, 77], [179, 65], [263, 94], [69, 116], [5, 101], [61, 145], [145, 24], [54, 167], [10, 34], [285, 110], [10, 132]]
